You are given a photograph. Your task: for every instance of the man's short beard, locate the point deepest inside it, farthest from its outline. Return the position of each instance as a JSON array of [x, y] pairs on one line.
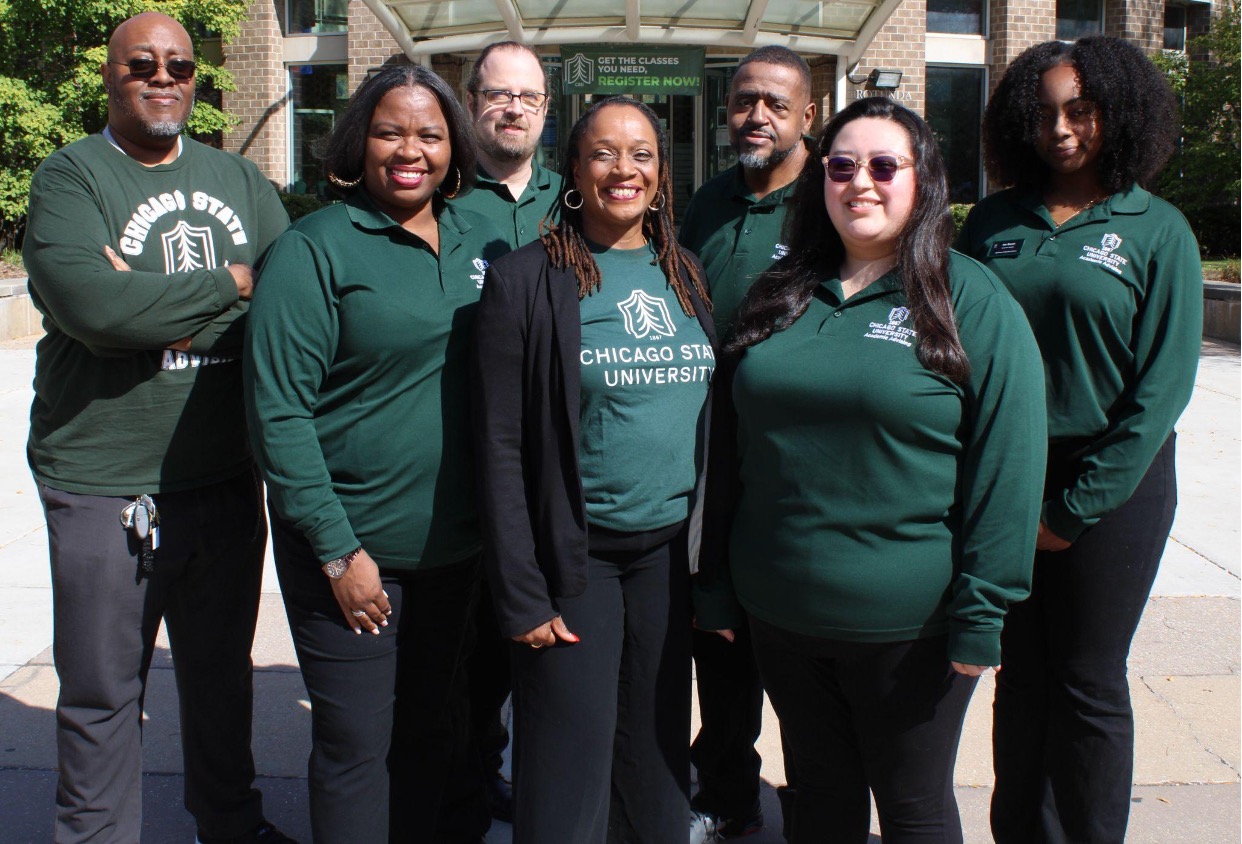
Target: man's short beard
[[508, 149], [164, 128], [753, 159]]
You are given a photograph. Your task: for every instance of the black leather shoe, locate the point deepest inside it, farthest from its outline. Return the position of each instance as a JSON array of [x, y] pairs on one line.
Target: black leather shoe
[[264, 833], [500, 798]]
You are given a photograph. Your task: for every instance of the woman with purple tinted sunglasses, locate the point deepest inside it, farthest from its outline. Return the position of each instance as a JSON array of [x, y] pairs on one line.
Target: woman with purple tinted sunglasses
[[882, 406]]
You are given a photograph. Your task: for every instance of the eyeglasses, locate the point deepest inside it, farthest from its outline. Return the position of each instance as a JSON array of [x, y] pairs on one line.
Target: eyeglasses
[[882, 168], [181, 69], [531, 100]]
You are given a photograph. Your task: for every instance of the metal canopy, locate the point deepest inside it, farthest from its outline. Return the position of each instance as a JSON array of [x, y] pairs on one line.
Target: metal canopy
[[828, 27]]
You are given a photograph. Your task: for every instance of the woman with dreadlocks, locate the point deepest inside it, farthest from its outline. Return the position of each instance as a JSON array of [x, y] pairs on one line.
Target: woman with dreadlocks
[[592, 363]]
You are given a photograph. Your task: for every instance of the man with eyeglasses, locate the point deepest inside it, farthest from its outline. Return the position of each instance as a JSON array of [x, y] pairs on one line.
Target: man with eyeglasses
[[141, 245], [734, 225], [507, 97]]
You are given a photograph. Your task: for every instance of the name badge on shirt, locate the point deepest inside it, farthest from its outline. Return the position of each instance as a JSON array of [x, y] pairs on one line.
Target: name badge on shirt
[[1005, 248]]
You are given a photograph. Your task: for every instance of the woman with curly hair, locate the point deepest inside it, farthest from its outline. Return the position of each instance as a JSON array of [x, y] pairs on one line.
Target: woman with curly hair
[[1110, 280], [880, 394], [592, 363]]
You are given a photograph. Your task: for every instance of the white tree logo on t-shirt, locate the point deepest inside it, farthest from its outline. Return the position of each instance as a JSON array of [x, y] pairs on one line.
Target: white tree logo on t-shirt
[[188, 248], [646, 316]]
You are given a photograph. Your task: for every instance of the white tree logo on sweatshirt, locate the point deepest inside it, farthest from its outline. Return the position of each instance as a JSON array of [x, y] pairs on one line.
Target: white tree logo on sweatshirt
[[646, 316], [188, 248]]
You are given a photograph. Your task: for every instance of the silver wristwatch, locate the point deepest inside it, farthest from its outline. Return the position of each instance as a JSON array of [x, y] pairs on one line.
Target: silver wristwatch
[[336, 569]]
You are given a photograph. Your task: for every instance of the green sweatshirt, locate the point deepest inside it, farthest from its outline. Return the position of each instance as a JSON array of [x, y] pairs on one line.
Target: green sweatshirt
[[880, 501], [1115, 298], [518, 219], [115, 411], [736, 237], [357, 386], [645, 368]]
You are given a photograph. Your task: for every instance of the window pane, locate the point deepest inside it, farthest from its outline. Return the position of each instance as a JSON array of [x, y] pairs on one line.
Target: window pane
[[320, 93], [314, 16], [954, 109], [960, 17], [1076, 18], [1175, 27]]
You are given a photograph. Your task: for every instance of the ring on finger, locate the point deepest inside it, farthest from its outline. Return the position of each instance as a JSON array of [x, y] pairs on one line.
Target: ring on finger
[[535, 645], [357, 613]]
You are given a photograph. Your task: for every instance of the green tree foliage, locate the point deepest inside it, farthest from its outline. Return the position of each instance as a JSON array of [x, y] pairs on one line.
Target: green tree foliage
[[50, 89], [1204, 178]]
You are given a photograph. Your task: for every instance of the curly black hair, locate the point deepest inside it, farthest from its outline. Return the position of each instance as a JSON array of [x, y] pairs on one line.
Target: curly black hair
[[1137, 112]]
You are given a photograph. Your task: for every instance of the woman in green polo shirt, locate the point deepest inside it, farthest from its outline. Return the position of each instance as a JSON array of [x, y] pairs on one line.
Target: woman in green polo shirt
[[1110, 280], [358, 404], [593, 359], [889, 417]]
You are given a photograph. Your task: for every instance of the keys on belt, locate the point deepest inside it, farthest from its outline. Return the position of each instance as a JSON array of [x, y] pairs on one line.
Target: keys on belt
[[142, 517]]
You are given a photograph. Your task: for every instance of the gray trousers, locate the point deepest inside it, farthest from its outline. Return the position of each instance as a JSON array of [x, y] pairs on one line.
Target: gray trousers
[[208, 571]]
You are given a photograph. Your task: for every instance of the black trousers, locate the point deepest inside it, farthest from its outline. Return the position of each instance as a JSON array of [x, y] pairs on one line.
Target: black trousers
[[208, 571], [389, 713], [600, 727], [731, 717], [1063, 728], [488, 672], [884, 717]]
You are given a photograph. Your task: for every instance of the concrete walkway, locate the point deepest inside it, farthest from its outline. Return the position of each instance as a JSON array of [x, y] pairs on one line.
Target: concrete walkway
[[1184, 669]]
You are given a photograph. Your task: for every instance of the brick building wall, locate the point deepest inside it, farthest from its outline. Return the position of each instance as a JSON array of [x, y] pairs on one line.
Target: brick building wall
[[261, 102], [1014, 25], [823, 88], [1138, 21], [901, 45], [370, 45]]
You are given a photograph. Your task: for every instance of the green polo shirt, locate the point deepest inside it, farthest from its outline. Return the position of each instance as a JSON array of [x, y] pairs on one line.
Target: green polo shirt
[[645, 368], [357, 382], [1115, 298], [880, 501], [736, 236], [518, 219]]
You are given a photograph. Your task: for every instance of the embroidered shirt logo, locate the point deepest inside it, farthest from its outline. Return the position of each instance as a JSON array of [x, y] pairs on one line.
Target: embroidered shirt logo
[[779, 251], [1105, 255], [646, 316], [893, 331], [188, 248], [477, 277]]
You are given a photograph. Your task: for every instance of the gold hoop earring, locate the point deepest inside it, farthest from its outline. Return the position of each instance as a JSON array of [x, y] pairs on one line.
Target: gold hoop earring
[[342, 183], [456, 188], [659, 198], [570, 205]]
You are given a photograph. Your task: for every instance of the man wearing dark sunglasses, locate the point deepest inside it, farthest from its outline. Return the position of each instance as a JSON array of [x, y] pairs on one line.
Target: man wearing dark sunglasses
[[734, 225], [140, 246]]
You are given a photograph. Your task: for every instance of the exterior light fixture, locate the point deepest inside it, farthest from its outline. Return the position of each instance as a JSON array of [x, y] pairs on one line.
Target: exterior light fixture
[[885, 79]]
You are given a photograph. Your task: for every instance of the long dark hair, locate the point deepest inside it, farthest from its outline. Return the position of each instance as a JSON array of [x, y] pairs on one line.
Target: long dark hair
[[568, 248], [1137, 113], [344, 155], [782, 294]]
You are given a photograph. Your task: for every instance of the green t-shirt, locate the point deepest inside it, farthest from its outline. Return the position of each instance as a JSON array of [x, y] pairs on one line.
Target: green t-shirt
[[1115, 298], [518, 219], [645, 369], [357, 382], [116, 412], [736, 237], [881, 501]]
